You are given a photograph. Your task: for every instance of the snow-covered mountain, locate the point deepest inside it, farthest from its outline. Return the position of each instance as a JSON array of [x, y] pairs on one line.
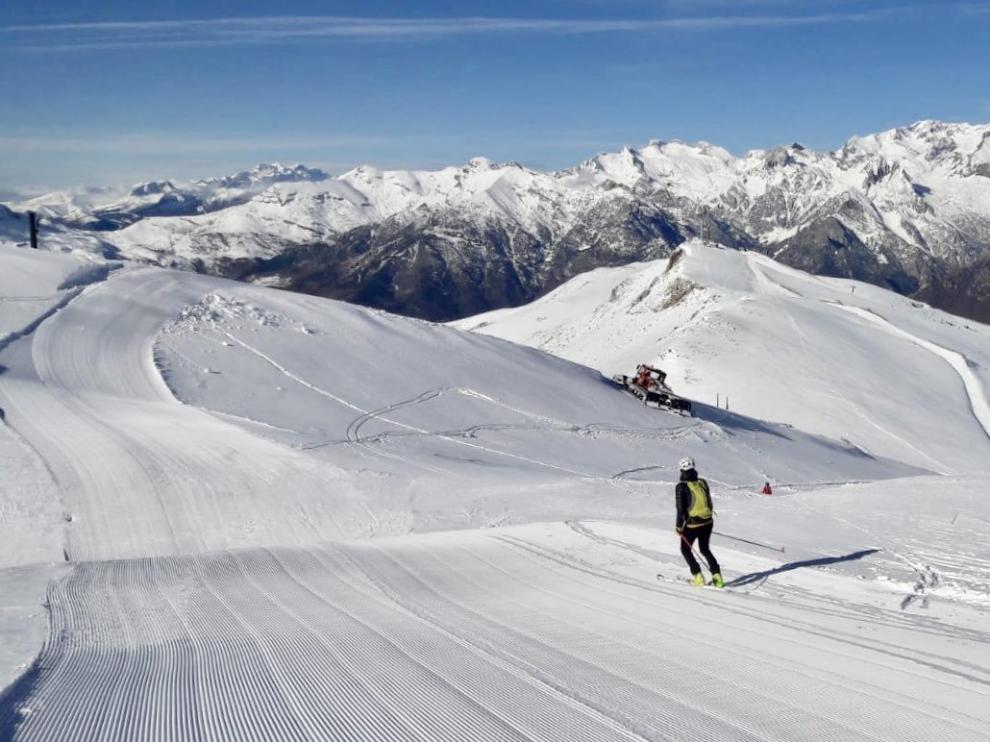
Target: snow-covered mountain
[[55, 235], [846, 359], [904, 208], [109, 209], [908, 209], [228, 512]]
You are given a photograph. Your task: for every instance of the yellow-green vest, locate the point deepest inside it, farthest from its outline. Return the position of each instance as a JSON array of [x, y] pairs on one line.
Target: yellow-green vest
[[701, 501]]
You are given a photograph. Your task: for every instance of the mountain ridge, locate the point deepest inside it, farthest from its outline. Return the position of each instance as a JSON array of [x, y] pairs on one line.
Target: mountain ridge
[[736, 327], [908, 208]]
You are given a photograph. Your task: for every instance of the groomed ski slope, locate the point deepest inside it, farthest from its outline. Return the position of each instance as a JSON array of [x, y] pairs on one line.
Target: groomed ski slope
[[841, 358], [258, 515], [555, 632], [195, 414]]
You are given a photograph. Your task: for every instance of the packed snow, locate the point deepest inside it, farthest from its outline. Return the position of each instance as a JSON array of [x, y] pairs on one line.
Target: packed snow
[[230, 512]]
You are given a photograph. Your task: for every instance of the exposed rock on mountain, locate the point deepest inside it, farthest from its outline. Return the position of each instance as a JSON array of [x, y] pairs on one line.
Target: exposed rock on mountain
[[965, 291], [908, 209]]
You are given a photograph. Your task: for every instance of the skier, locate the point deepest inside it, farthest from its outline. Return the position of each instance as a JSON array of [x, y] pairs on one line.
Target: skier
[[695, 521], [767, 489]]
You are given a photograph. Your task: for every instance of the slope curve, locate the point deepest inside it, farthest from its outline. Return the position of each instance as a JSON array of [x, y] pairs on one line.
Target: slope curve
[[974, 387], [139, 473]]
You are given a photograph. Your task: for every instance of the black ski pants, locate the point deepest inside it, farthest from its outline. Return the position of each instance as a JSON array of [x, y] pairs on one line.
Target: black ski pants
[[703, 534]]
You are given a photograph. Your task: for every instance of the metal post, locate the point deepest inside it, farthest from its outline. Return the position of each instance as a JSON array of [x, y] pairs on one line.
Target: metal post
[[33, 220]]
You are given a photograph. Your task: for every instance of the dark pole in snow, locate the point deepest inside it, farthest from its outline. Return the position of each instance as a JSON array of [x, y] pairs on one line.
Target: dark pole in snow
[[781, 549], [33, 221]]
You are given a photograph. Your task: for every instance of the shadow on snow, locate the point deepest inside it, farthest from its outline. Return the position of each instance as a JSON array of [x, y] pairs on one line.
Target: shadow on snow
[[820, 562], [13, 699]]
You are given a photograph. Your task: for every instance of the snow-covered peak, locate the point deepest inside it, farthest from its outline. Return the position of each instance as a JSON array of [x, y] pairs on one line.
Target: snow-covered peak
[[785, 156], [363, 172], [508, 188], [902, 201], [266, 174], [153, 188], [781, 344], [68, 203], [694, 170], [925, 146], [699, 171]]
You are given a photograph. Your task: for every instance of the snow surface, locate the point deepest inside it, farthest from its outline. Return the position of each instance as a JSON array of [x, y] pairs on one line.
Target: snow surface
[[828, 355], [260, 515]]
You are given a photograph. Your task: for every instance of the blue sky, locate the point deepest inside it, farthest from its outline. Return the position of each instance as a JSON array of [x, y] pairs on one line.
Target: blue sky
[[134, 91]]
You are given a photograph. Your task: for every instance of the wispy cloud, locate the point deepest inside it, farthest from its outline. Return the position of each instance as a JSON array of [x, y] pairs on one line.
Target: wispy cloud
[[178, 144], [231, 31]]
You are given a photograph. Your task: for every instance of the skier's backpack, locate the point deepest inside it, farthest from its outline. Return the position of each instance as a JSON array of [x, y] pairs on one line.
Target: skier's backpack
[[701, 501]]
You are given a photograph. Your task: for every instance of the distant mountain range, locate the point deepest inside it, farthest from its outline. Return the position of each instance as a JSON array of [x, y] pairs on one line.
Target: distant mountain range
[[908, 209]]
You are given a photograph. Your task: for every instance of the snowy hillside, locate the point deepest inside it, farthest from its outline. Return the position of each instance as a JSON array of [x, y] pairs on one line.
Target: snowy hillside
[[55, 236], [230, 512], [907, 209], [305, 392], [845, 359]]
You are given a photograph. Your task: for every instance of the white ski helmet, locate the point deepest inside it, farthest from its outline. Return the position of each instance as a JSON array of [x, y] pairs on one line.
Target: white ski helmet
[[686, 463]]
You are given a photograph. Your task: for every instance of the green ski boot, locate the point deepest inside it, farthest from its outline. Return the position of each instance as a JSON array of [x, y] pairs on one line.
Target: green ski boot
[[698, 580], [717, 580]]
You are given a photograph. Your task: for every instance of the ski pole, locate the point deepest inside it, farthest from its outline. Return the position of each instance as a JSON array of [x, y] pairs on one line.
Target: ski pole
[[747, 541]]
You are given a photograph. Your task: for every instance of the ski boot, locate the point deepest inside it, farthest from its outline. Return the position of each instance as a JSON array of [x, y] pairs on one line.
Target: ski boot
[[717, 580], [698, 580]]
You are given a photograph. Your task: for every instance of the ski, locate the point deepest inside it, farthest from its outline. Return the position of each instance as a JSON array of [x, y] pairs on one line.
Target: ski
[[684, 580]]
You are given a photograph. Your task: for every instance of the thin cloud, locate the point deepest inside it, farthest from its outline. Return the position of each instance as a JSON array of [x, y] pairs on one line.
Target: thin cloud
[[168, 144], [233, 31]]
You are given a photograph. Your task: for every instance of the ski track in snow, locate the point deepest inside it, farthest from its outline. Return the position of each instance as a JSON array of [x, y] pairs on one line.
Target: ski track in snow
[[774, 286], [978, 400], [975, 391], [122, 438], [366, 415], [480, 636], [58, 303]]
